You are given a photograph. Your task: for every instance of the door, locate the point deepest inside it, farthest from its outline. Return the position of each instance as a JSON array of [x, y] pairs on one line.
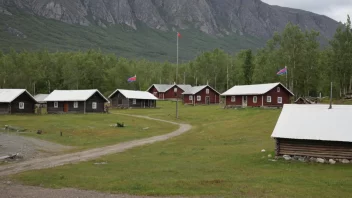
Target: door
[[207, 100], [244, 101], [65, 107]]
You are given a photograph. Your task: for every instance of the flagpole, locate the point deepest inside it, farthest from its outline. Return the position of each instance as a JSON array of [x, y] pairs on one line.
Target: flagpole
[[177, 35], [286, 77]]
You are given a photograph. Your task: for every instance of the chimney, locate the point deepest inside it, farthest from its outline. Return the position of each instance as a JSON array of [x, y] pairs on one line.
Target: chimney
[[330, 107]]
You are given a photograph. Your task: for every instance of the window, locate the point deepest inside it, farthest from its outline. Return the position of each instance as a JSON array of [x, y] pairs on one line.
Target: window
[[268, 99], [190, 97], [255, 99], [199, 98], [134, 101], [21, 105], [233, 98], [278, 89], [94, 105], [279, 100], [175, 89], [155, 93], [75, 105], [56, 104], [207, 91]]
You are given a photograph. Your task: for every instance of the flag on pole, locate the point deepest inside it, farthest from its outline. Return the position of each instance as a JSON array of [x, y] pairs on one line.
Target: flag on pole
[[282, 71], [179, 35], [132, 79]]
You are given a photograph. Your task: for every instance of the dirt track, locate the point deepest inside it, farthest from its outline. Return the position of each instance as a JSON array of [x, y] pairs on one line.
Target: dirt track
[[42, 163]]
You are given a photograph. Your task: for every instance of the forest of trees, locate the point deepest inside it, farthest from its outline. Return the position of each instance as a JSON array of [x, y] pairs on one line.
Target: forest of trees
[[311, 67]]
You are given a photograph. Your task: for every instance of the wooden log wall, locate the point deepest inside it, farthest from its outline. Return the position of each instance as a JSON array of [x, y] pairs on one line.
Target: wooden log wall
[[314, 148]]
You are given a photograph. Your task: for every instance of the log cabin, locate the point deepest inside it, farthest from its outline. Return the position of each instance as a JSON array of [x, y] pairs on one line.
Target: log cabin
[[76, 101], [204, 95], [314, 131], [40, 99], [259, 95], [16, 101], [132, 99], [168, 92]]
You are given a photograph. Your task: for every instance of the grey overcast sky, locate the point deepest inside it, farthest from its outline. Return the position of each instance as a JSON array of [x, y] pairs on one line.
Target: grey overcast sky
[[336, 9]]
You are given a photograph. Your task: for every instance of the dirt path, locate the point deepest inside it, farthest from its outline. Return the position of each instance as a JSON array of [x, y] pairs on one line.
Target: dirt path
[[42, 163]]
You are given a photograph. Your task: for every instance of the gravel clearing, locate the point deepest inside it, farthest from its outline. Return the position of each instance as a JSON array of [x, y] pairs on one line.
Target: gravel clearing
[[28, 148]]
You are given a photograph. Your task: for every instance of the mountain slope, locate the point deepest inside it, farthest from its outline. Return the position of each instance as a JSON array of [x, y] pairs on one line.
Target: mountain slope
[[83, 24]]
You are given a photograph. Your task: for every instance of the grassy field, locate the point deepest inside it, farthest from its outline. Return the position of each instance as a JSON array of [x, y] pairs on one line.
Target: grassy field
[[220, 156], [86, 131]]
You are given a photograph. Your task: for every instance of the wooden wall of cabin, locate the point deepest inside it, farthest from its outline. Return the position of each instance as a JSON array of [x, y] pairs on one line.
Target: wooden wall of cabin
[[100, 104], [4, 108], [142, 103], [314, 148], [61, 106], [118, 100], [29, 104]]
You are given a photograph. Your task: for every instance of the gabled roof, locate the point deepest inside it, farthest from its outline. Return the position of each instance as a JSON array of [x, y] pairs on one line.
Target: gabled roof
[[185, 87], [306, 100], [197, 89], [161, 87], [144, 95], [165, 87], [8, 95], [72, 95], [258, 89], [314, 122], [40, 97]]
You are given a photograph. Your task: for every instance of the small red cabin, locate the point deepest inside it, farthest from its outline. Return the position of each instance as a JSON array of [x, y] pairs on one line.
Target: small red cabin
[[201, 95], [260, 95], [168, 92]]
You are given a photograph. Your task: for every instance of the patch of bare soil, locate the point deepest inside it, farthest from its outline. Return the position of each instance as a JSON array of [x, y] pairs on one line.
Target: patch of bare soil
[[28, 148]]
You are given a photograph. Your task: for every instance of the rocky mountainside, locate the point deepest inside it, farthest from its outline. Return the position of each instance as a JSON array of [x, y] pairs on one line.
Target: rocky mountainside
[[213, 17]]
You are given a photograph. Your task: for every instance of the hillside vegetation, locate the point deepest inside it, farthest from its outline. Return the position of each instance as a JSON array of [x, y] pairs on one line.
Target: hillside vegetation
[[27, 32]]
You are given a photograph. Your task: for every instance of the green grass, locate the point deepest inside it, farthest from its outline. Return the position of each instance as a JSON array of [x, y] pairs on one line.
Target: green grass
[[220, 156], [86, 131], [144, 43]]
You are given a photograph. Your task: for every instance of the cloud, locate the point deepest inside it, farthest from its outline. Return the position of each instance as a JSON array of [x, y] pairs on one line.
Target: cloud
[[336, 9]]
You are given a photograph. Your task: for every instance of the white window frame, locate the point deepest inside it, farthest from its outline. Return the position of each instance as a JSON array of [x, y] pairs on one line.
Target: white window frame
[[233, 98], [134, 101], [175, 90], [279, 100], [21, 105], [278, 89], [268, 98], [56, 105], [207, 91], [255, 99], [199, 98], [190, 97], [94, 105], [75, 105], [155, 93]]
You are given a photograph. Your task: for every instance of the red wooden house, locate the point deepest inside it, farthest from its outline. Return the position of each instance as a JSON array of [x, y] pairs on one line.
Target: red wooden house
[[168, 92], [260, 95], [201, 95]]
